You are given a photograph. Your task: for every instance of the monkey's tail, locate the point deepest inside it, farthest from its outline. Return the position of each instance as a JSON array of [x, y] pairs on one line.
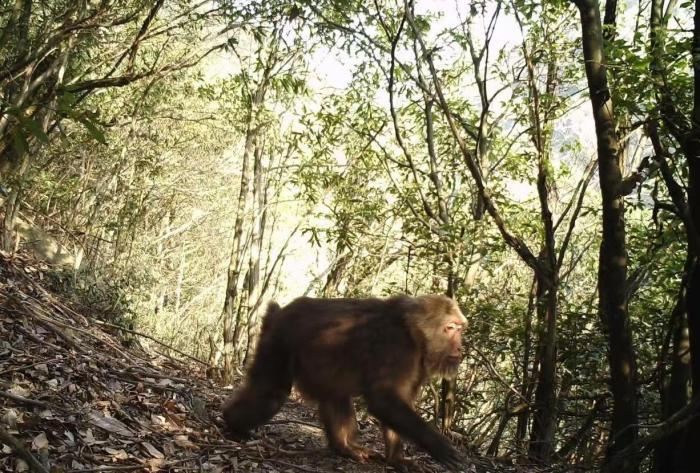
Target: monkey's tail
[[269, 380], [271, 315]]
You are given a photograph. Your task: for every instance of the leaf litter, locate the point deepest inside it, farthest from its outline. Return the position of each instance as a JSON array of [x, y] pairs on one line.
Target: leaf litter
[[73, 398]]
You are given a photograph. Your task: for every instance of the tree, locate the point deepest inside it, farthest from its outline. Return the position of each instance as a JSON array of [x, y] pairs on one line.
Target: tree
[[271, 82], [612, 272], [47, 70]]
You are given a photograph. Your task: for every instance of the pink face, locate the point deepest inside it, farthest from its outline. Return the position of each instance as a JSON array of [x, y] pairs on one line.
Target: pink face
[[453, 332]]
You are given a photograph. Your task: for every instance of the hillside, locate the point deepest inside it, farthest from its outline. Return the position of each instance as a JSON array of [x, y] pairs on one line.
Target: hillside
[[77, 394]]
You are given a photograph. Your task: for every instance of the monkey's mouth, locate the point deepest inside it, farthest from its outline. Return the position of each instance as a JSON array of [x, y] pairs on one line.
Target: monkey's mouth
[[454, 359]]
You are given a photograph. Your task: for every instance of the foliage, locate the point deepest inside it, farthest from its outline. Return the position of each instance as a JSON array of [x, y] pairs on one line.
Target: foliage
[[132, 158]]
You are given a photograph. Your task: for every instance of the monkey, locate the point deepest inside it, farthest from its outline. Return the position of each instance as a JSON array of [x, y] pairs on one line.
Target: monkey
[[334, 350]]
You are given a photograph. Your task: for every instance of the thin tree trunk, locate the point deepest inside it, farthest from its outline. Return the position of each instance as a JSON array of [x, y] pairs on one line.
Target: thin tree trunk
[[492, 451], [12, 203], [674, 395], [232, 326], [582, 433], [525, 389], [448, 387], [180, 279], [258, 200], [687, 133], [335, 276], [612, 270], [546, 276]]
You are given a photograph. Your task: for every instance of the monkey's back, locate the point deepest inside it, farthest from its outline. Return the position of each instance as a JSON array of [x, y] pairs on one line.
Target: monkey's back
[[340, 346]]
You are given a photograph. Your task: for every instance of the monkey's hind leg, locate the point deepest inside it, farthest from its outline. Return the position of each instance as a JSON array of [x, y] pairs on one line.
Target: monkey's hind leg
[[268, 385], [251, 407], [340, 424], [393, 447]]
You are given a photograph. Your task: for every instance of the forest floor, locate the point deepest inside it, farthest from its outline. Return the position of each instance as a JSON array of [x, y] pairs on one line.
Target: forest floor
[[76, 395]]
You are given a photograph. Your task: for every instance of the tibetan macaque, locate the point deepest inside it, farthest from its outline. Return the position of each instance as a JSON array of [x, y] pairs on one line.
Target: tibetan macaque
[[335, 349]]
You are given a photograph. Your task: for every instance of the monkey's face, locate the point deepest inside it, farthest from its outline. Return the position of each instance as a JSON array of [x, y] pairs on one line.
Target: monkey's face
[[443, 327], [452, 331], [452, 328]]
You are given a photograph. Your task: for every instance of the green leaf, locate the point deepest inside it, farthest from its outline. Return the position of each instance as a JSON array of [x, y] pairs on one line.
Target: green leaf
[[20, 143], [35, 128], [92, 129], [66, 102]]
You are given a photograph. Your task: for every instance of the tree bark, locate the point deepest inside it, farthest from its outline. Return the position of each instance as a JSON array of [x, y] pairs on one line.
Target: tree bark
[[231, 330], [687, 133], [674, 393], [612, 269], [547, 277], [527, 375], [255, 251], [692, 152], [544, 416]]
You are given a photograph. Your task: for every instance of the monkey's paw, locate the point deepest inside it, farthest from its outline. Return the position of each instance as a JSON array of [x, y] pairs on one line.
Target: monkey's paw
[[357, 453]]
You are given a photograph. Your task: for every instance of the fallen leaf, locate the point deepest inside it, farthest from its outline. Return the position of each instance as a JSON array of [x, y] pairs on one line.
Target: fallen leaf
[[110, 424], [21, 466], [10, 418], [19, 391], [183, 441], [154, 464], [88, 437], [153, 451], [157, 419], [40, 442], [119, 454]]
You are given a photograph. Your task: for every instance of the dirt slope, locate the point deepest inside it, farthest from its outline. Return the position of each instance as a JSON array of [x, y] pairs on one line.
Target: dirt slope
[[74, 398]]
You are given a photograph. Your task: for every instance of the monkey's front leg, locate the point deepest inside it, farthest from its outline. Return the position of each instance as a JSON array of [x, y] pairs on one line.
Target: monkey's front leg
[[340, 424], [394, 453], [398, 415]]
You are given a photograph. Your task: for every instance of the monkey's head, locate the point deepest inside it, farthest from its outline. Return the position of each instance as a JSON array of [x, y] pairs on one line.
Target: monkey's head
[[441, 323]]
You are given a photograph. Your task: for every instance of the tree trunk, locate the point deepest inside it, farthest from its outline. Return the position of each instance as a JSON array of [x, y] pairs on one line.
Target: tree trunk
[[255, 251], [612, 269], [544, 416], [526, 379], [231, 324], [448, 387], [492, 451], [546, 276], [12, 204], [692, 151], [564, 454], [668, 453], [335, 276], [687, 133], [180, 279]]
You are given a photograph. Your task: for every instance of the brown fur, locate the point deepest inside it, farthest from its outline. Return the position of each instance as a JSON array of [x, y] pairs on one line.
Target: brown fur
[[337, 349]]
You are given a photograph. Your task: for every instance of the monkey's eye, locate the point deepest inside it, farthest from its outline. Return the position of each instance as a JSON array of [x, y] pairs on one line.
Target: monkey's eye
[[451, 327]]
